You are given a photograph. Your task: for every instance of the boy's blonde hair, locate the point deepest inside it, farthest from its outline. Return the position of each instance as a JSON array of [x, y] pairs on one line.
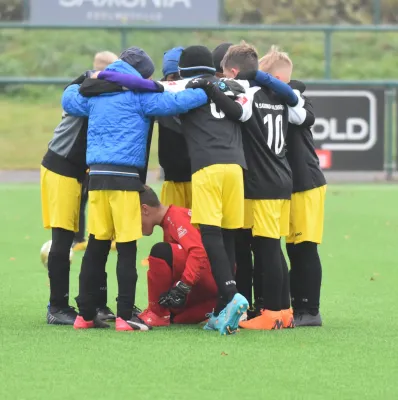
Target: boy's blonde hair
[[103, 59], [275, 59], [242, 56]]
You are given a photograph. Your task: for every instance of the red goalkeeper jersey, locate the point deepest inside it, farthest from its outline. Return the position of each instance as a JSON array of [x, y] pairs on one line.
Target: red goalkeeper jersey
[[178, 229]]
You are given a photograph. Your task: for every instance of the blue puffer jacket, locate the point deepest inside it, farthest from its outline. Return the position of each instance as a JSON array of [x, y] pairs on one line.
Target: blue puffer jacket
[[119, 122]]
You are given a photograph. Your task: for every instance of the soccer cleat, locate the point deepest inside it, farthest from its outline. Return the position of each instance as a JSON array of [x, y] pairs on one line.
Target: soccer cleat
[[81, 323], [136, 310], [213, 323], [244, 316], [61, 316], [152, 319], [233, 311], [79, 246], [135, 323], [304, 318], [106, 314], [287, 318], [268, 320], [253, 312]]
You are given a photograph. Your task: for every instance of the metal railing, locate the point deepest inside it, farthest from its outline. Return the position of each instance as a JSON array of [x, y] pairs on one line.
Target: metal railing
[[390, 87], [327, 30]]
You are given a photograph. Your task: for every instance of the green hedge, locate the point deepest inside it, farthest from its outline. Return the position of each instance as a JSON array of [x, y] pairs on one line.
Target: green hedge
[[310, 11]]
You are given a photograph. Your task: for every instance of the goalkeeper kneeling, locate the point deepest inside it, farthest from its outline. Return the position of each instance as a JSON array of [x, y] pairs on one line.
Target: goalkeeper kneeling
[[181, 288]]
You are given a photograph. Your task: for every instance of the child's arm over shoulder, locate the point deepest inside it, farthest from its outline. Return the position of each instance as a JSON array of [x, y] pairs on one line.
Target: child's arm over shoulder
[[74, 103]]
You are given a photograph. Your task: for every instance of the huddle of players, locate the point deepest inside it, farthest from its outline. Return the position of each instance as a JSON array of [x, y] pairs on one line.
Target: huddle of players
[[212, 133]]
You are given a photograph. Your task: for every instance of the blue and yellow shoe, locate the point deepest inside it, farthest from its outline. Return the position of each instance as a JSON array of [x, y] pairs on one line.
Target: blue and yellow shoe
[[214, 322], [232, 313]]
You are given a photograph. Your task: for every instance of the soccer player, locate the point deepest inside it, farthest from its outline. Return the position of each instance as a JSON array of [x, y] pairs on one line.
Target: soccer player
[[243, 237], [63, 170], [217, 159], [180, 282], [268, 182], [307, 203], [218, 54], [172, 147], [101, 61], [116, 149]]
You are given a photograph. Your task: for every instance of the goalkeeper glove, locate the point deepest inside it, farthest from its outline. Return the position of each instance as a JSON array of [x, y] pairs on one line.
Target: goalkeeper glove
[[176, 297]]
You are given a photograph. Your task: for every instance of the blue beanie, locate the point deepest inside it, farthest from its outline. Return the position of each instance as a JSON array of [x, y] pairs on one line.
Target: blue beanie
[[170, 60]]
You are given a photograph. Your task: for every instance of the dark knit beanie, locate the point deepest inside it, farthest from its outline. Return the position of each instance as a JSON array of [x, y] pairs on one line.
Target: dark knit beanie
[[139, 60], [196, 58], [219, 53]]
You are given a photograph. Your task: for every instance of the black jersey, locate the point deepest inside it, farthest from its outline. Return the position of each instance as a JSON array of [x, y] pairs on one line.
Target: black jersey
[[301, 154], [264, 135], [211, 137], [173, 150]]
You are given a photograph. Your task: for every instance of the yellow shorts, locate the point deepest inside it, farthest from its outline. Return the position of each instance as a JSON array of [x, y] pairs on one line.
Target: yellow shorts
[[307, 213], [218, 196], [60, 200], [176, 193], [267, 218], [114, 214]]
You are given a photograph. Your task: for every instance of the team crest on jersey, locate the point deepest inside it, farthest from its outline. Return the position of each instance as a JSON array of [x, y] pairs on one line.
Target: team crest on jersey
[[181, 232]]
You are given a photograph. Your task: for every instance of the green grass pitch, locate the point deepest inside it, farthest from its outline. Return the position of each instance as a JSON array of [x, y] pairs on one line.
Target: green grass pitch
[[354, 356]]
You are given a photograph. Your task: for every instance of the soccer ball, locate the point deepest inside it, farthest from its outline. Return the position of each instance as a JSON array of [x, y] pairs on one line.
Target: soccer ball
[[45, 249]]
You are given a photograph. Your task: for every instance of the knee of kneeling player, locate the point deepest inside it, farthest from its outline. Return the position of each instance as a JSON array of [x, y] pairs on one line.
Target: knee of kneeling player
[[162, 251]]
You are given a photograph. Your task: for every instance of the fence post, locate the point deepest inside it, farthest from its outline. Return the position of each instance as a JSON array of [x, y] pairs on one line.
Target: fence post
[[26, 10], [328, 53], [123, 38], [376, 12], [389, 164]]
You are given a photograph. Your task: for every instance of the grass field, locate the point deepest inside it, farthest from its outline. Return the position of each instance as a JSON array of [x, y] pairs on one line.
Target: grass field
[[354, 356], [27, 127]]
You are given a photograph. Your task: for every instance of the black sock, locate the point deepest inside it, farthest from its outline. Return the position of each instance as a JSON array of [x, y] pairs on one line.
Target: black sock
[[92, 276], [311, 268], [286, 284], [103, 294], [220, 263], [221, 304], [267, 252], [228, 236], [257, 280], [79, 236], [126, 278], [295, 276], [59, 267], [244, 263], [102, 259]]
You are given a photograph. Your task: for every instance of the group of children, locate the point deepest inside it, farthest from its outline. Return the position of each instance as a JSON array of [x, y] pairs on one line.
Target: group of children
[[231, 191]]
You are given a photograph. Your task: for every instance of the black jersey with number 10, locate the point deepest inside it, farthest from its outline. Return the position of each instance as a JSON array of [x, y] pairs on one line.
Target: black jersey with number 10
[[264, 136]]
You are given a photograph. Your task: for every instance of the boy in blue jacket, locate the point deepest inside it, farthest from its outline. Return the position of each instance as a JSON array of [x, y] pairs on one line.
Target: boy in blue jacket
[[118, 129]]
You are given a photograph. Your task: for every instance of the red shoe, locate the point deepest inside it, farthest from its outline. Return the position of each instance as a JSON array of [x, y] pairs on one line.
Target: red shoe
[[135, 323], [152, 319], [81, 323]]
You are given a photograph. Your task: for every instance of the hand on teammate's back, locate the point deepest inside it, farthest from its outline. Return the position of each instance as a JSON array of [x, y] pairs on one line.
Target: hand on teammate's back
[[200, 83], [93, 75]]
